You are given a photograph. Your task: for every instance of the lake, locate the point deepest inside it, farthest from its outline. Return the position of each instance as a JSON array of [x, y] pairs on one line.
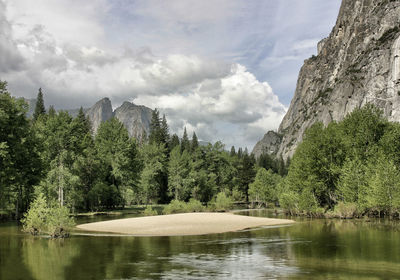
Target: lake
[[309, 249]]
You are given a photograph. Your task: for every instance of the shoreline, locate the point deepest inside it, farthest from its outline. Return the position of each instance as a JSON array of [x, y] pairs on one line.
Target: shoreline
[[199, 223]]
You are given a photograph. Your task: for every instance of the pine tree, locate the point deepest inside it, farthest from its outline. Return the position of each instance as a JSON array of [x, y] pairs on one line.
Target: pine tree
[[233, 151], [195, 143], [52, 111], [164, 131], [185, 144], [39, 109], [155, 128], [174, 142]]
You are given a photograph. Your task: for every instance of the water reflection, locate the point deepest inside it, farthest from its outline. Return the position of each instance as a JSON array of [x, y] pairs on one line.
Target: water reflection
[[310, 249]]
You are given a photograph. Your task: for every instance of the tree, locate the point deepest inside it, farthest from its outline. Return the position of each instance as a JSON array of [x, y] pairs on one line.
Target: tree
[[178, 171], [20, 164], [118, 157], [264, 188], [185, 143], [155, 128], [151, 179], [246, 173], [383, 192], [195, 143], [40, 110], [233, 151], [164, 132], [174, 142]]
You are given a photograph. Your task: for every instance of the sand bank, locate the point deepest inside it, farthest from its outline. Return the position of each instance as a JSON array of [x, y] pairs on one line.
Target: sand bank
[[182, 224]]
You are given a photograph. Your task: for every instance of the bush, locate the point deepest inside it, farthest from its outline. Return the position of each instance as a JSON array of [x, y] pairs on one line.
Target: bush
[[175, 206], [289, 200], [194, 206], [346, 210], [221, 203], [41, 218], [149, 211]]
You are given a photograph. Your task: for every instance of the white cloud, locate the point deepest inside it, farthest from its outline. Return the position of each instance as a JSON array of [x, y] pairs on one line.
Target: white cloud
[[80, 51], [238, 101]]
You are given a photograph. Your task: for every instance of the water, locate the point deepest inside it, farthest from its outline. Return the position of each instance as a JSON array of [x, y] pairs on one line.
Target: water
[[310, 249]]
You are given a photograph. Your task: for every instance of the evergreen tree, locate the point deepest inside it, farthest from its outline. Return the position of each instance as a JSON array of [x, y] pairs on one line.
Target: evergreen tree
[[52, 111], [233, 151], [174, 142], [155, 128], [195, 143], [164, 132], [39, 108], [185, 143]]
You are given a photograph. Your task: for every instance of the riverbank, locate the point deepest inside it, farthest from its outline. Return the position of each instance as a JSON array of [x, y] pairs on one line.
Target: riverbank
[[182, 224]]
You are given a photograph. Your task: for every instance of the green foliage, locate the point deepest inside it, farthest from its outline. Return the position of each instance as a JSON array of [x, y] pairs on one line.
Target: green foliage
[[54, 220], [264, 189], [221, 202], [350, 168], [40, 110], [20, 163], [149, 211], [194, 206], [178, 206], [174, 207], [34, 220], [346, 210]]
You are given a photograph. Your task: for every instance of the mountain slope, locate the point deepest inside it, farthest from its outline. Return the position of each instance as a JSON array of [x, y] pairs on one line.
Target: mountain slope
[[358, 63]]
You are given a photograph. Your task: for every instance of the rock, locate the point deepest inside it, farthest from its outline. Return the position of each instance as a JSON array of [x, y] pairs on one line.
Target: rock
[[136, 119], [269, 144], [100, 112], [358, 63]]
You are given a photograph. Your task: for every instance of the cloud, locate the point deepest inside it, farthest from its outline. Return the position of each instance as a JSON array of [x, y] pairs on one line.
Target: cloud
[[202, 62], [237, 101]]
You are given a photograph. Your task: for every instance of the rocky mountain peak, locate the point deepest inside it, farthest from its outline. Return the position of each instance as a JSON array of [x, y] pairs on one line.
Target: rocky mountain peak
[[100, 112]]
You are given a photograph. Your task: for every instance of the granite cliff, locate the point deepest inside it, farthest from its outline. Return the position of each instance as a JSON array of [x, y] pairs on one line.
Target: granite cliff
[[358, 63], [136, 118]]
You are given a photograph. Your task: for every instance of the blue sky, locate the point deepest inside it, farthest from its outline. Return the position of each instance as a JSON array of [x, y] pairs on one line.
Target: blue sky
[[225, 69]]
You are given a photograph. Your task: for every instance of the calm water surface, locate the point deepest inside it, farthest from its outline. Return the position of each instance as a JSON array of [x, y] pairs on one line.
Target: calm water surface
[[310, 249]]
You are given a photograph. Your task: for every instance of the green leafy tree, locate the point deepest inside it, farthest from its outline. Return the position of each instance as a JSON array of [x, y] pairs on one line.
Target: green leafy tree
[[151, 180], [20, 164], [178, 171], [264, 189]]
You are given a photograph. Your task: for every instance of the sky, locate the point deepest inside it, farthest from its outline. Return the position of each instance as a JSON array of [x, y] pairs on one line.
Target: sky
[[225, 69]]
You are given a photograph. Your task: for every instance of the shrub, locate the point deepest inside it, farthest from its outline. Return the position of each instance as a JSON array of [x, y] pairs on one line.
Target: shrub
[[175, 206], [221, 203], [194, 206], [345, 210], [41, 218], [149, 211]]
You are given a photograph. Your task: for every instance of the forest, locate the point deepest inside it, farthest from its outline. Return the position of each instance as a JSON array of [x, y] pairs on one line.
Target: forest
[[345, 169], [57, 158]]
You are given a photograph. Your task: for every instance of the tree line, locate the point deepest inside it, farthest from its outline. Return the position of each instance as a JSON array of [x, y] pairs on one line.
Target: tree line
[[346, 169], [56, 156]]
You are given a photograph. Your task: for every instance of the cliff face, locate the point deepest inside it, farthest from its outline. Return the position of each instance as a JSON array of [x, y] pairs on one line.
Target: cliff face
[[135, 118], [100, 112], [358, 63]]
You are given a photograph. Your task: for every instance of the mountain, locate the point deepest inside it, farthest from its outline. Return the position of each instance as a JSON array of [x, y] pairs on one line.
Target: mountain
[[358, 63], [100, 112], [136, 118]]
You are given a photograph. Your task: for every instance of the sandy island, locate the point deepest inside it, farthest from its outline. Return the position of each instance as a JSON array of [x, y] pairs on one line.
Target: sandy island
[[182, 224]]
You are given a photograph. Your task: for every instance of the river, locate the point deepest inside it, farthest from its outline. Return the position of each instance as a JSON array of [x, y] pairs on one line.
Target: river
[[309, 249]]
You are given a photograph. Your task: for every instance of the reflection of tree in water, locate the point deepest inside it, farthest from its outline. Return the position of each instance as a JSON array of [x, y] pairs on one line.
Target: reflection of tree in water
[[47, 258], [349, 249]]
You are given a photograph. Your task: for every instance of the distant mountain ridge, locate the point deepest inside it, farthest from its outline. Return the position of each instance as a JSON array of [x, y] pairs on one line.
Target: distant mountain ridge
[[135, 118]]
